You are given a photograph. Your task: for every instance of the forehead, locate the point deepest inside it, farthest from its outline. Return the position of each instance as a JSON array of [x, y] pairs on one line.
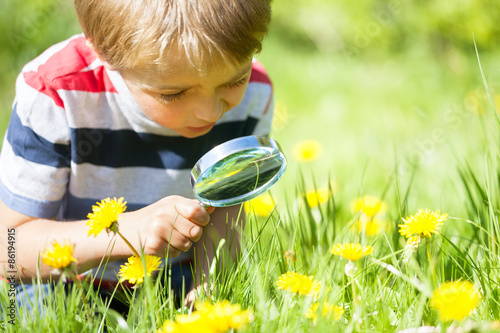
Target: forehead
[[178, 69]]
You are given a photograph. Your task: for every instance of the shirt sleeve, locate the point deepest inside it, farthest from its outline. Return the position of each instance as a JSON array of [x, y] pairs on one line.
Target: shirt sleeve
[[264, 124], [262, 105], [35, 157]]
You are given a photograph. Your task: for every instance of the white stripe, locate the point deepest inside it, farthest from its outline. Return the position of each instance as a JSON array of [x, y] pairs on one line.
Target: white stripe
[[91, 181], [108, 110], [38, 112], [253, 103], [31, 180], [265, 123], [100, 111]]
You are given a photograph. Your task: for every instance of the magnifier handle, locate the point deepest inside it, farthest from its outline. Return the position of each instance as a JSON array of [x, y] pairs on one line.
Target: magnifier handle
[[204, 206]]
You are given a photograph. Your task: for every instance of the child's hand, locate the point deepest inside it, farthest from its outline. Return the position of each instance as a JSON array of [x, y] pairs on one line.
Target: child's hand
[[171, 224], [196, 293]]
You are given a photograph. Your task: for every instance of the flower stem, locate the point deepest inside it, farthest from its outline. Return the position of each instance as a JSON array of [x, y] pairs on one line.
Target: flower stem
[[79, 285], [128, 243], [431, 264], [354, 293], [444, 326]]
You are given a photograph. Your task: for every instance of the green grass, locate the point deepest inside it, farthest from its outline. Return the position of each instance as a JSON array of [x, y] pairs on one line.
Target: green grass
[[405, 119], [391, 293]]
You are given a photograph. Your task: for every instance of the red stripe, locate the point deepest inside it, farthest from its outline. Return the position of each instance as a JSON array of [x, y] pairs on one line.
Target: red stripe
[[62, 71], [37, 82], [259, 73]]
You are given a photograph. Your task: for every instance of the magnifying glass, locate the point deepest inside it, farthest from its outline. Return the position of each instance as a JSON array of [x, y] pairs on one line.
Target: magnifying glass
[[237, 170]]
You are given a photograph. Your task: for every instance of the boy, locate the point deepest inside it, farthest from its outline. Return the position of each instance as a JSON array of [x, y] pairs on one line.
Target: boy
[[125, 111]]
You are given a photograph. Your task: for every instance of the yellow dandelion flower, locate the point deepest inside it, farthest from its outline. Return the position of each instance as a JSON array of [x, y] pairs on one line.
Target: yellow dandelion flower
[[371, 227], [424, 223], [210, 318], [168, 326], [263, 205], [369, 205], [455, 300], [328, 311], [188, 319], [133, 270], [105, 215], [351, 251], [298, 283], [315, 198], [223, 316], [191, 323], [59, 257], [307, 151]]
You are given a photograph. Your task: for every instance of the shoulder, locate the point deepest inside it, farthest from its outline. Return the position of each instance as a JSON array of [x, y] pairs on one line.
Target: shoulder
[[64, 58], [67, 66], [259, 74]]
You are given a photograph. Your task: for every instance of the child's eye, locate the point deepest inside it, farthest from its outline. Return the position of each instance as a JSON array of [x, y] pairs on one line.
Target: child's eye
[[238, 83], [172, 97]]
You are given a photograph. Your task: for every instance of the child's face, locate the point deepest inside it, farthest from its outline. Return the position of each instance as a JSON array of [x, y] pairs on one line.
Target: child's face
[[186, 100]]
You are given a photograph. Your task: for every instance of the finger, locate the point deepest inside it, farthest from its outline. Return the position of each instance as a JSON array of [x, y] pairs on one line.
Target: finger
[[172, 248], [168, 235], [190, 298], [206, 207], [172, 252], [190, 210], [179, 241], [189, 229], [161, 248]]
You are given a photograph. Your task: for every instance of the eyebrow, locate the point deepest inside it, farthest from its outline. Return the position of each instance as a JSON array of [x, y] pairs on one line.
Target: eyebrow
[[238, 76]]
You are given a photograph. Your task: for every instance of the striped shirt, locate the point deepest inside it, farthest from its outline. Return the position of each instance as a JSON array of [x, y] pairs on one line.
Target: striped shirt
[[76, 136]]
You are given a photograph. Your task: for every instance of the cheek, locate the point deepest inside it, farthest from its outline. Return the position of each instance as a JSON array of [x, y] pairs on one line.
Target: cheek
[[164, 115], [147, 105], [235, 96], [146, 102]]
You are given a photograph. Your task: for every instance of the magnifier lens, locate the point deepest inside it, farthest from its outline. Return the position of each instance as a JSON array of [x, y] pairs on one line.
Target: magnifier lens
[[240, 176]]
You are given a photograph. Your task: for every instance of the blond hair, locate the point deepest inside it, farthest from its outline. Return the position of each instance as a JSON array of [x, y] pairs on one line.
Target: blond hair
[[139, 34]]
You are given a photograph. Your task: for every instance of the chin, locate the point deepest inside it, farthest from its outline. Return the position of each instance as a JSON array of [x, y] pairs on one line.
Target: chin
[[191, 135]]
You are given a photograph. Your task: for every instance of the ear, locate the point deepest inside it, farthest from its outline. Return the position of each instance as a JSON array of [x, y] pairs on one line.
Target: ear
[[105, 64]]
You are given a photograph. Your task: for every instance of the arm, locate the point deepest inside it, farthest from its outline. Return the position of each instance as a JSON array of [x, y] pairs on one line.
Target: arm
[[152, 226], [213, 233]]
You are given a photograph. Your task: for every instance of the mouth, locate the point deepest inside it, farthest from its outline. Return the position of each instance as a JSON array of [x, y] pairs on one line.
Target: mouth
[[201, 129]]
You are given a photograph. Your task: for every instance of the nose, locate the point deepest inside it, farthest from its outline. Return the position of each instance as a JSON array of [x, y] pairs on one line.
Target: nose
[[211, 109]]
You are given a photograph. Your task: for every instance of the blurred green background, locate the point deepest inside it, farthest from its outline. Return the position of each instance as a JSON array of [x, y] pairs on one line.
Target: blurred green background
[[383, 86]]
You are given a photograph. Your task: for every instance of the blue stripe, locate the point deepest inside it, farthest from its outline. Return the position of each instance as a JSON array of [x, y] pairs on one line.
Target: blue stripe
[[78, 208], [127, 148], [28, 206], [27, 144]]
